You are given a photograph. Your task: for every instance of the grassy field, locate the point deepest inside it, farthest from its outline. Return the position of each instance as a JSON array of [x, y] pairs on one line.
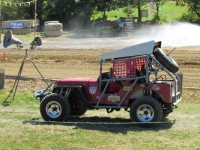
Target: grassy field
[[169, 12], [22, 128]]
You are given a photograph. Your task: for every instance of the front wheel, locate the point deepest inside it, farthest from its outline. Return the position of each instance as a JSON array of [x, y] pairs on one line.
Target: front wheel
[[146, 109], [55, 107]]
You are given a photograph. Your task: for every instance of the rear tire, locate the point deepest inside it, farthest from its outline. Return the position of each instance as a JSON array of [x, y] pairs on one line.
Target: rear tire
[[77, 107], [146, 109], [55, 107], [79, 112]]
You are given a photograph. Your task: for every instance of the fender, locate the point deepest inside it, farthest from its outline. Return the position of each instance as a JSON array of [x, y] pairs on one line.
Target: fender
[[82, 98]]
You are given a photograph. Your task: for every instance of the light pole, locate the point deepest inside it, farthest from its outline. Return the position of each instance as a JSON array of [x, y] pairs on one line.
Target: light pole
[[35, 9], [35, 15]]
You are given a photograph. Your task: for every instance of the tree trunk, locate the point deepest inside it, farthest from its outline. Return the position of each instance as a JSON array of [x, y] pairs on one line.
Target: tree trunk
[[139, 14], [104, 15], [2, 78]]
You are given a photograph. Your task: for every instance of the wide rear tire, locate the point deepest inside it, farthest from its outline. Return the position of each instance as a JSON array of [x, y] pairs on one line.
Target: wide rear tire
[[55, 107]]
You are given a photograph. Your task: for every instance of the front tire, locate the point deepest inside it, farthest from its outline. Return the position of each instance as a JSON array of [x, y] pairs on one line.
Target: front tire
[[55, 107], [146, 109]]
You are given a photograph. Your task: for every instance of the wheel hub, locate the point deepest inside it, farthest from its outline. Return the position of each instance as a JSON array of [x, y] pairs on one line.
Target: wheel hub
[[145, 113], [53, 109]]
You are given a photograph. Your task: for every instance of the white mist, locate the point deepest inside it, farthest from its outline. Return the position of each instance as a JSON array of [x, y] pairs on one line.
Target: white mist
[[176, 34]]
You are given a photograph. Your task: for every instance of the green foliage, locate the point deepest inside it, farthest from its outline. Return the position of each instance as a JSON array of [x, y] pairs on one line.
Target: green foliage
[[14, 13], [194, 9], [172, 12], [78, 13], [138, 4], [158, 4], [168, 12], [190, 17], [111, 15]]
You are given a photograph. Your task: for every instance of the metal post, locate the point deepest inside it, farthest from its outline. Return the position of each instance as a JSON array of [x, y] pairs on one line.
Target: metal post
[[35, 8], [35, 15]]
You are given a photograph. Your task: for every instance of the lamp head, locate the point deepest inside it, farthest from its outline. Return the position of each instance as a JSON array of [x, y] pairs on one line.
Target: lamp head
[[9, 39], [37, 42]]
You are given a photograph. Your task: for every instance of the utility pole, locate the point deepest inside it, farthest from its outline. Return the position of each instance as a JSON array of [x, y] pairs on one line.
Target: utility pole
[[35, 9], [35, 12]]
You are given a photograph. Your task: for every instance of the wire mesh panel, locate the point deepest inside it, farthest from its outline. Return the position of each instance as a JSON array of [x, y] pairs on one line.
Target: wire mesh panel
[[140, 62], [191, 95], [127, 68]]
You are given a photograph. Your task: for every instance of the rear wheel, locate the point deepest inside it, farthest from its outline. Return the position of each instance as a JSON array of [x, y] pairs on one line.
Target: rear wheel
[[55, 107], [77, 107], [146, 109]]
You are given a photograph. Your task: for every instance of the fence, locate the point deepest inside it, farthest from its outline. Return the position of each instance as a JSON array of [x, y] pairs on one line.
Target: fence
[[190, 94]]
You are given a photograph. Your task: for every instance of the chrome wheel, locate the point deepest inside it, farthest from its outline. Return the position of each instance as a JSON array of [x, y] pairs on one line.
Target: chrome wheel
[[53, 109], [145, 113], [146, 109]]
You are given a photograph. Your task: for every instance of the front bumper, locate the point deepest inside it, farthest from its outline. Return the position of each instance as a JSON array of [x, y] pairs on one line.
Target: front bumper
[[40, 94]]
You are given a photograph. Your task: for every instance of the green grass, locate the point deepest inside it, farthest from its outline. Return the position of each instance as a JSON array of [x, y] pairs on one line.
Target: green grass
[[22, 128], [30, 36], [169, 12]]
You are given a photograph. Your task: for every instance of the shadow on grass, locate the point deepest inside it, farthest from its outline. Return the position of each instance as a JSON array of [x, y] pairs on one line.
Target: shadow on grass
[[6, 103], [106, 124], [21, 78]]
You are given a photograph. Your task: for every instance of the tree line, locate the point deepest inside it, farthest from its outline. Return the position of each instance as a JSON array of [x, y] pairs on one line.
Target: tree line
[[73, 12]]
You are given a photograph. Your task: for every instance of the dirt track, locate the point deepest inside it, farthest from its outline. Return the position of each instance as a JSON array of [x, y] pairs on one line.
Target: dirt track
[[54, 61]]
